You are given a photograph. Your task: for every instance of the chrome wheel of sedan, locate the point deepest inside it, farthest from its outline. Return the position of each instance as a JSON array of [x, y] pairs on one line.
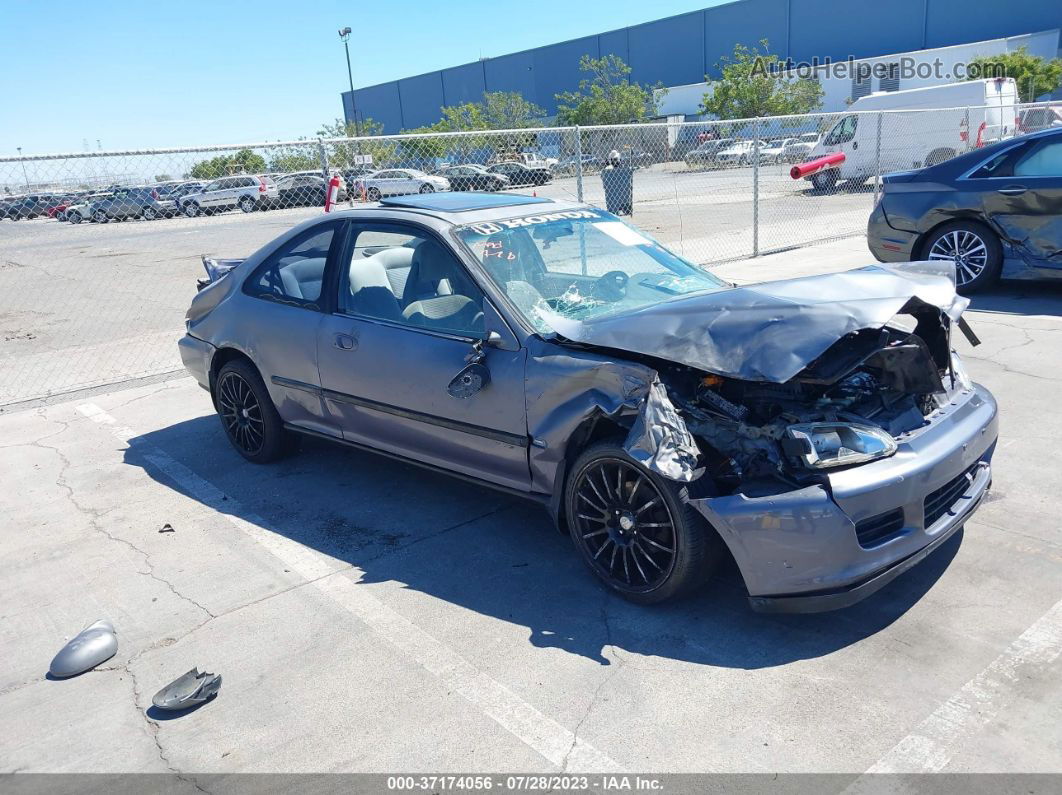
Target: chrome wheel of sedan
[[973, 247], [241, 413], [966, 249]]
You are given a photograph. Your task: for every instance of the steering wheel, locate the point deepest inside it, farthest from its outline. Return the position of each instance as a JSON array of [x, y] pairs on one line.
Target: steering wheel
[[612, 286]]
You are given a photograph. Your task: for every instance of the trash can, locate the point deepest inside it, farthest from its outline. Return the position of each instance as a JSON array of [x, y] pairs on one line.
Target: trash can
[[618, 181]]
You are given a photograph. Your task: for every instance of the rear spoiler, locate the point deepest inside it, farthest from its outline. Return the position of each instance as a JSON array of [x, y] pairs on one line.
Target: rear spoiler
[[215, 269]]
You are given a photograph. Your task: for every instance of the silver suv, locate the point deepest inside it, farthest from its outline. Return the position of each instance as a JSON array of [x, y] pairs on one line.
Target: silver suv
[[246, 191]]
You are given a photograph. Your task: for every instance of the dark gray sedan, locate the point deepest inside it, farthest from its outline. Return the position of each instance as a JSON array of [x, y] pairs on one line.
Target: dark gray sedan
[[819, 430], [993, 212]]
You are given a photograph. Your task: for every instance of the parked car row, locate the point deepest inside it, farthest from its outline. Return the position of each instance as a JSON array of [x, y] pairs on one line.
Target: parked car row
[[740, 152]]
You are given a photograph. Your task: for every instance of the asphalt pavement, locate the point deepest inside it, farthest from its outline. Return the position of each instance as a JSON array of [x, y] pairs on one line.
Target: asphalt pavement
[[368, 616]]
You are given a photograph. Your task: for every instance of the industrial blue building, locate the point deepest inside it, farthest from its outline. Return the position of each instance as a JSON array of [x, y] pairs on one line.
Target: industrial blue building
[[681, 50]]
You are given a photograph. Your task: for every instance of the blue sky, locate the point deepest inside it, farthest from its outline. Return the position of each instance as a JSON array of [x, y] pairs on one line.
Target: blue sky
[[192, 72]]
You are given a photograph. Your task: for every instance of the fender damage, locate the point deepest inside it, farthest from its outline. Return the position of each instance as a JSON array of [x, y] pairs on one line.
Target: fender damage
[[727, 384]]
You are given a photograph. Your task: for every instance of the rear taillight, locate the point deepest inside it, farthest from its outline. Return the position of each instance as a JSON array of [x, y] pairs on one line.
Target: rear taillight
[[261, 186]]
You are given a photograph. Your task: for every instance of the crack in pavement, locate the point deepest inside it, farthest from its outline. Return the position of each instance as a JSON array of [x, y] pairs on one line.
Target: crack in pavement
[[94, 518], [608, 677], [153, 727]]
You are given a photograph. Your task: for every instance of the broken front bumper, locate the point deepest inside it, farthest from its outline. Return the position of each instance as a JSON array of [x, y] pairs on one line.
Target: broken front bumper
[[828, 546]]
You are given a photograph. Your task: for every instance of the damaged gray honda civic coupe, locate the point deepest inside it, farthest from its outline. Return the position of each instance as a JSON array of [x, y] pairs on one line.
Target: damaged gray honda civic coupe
[[820, 429]]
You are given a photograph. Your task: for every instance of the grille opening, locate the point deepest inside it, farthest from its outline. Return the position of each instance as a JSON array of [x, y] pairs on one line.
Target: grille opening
[[878, 529], [939, 502]]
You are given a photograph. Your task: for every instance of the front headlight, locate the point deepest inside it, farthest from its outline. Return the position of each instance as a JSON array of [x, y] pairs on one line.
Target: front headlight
[[820, 445]]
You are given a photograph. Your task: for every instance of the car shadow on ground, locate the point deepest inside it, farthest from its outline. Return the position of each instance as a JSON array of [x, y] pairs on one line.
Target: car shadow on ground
[[501, 557], [1020, 297]]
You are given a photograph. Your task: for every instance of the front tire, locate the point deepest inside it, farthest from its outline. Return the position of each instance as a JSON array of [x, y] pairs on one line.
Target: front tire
[[191, 209], [247, 413], [373, 194], [634, 529], [74, 218], [824, 180], [99, 216], [975, 250], [427, 187]]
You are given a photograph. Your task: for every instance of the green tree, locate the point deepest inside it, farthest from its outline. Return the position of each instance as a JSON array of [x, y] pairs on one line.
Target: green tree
[[344, 154], [1034, 75], [242, 162], [508, 110], [607, 96], [754, 85], [289, 158]]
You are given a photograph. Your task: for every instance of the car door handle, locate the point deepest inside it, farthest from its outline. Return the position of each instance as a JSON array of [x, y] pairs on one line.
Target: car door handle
[[345, 342], [1012, 190]]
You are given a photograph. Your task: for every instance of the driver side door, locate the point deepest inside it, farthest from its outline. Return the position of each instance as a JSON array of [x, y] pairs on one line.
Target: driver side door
[[392, 346]]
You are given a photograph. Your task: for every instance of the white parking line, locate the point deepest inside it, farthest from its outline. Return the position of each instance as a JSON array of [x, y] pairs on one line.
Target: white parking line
[[929, 748], [554, 742]]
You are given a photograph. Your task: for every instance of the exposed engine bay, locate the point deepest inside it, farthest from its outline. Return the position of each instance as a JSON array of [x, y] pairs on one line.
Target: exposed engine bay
[[848, 406]]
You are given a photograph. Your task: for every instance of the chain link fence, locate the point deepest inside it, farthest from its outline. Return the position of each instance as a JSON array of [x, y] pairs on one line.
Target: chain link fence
[[99, 251]]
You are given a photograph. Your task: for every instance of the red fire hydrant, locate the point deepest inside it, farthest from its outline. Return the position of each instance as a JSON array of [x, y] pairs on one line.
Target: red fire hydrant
[[333, 193]]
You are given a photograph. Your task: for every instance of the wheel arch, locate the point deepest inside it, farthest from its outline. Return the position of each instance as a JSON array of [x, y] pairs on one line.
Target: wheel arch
[[223, 356], [590, 431], [923, 238]]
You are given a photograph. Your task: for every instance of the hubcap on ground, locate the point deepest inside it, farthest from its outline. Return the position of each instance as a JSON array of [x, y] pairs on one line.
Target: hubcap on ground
[[624, 525], [966, 249], [241, 413]]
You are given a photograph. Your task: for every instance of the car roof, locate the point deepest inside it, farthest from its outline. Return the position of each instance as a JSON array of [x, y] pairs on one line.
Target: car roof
[[460, 201], [459, 208]]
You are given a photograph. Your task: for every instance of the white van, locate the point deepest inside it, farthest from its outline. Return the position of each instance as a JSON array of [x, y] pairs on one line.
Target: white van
[[943, 121]]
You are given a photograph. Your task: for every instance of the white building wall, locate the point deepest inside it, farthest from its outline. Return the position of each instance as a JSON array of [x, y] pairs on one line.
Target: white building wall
[[837, 90]]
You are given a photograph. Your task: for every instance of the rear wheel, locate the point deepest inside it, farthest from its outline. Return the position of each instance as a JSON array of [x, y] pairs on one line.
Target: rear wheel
[[973, 247], [824, 180], [149, 213], [634, 529], [247, 204], [248, 415]]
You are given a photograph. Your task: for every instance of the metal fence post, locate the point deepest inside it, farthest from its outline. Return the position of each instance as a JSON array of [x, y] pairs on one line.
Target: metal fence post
[[322, 154], [756, 188], [578, 164], [877, 159]]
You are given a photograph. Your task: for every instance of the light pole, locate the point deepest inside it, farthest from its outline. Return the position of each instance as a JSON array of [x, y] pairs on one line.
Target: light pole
[[25, 176], [344, 36]]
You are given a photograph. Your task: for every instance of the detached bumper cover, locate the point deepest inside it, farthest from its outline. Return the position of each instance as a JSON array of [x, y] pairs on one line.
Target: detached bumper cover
[[196, 356], [799, 551]]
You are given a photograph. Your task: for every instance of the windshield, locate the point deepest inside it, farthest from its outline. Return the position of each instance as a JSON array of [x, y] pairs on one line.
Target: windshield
[[579, 265]]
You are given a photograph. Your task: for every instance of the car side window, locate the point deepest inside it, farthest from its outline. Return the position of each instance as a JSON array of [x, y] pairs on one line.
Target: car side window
[[844, 131], [406, 276], [293, 274], [1044, 160]]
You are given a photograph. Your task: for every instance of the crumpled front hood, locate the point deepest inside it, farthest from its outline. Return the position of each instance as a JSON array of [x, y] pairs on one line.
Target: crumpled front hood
[[771, 331]]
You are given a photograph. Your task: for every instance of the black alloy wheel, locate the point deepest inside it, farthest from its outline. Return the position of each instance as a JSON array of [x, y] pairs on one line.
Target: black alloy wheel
[[248, 415], [634, 529]]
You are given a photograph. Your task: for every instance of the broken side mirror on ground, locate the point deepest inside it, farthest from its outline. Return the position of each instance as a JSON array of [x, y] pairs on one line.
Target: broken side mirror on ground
[[95, 644]]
